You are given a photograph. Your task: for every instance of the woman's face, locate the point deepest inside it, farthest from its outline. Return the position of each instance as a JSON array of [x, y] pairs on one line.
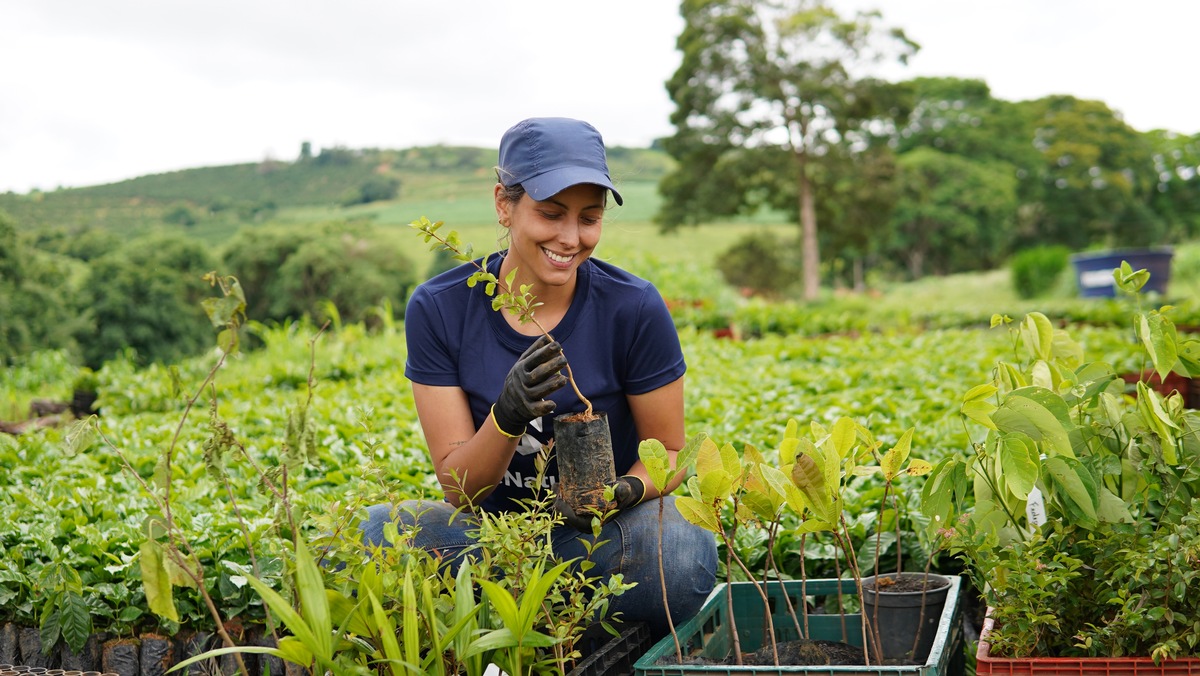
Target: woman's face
[[550, 239]]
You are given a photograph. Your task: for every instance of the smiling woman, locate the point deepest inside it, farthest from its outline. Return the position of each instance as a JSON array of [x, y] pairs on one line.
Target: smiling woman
[[486, 386]]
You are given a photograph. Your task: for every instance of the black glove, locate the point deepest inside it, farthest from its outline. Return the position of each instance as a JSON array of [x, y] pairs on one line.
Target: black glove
[[628, 491], [580, 522], [528, 383]]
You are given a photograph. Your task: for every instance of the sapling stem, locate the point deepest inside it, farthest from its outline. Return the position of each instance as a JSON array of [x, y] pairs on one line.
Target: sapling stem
[[520, 303]]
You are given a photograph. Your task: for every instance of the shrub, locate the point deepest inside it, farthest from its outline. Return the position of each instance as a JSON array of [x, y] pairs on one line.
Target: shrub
[[146, 296], [35, 297], [1035, 271], [288, 274], [756, 263]]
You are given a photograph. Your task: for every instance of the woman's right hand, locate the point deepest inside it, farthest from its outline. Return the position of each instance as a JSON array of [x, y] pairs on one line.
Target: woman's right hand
[[523, 397]]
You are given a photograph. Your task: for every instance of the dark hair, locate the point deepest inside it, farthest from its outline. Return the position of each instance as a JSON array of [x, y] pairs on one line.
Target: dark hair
[[512, 193]]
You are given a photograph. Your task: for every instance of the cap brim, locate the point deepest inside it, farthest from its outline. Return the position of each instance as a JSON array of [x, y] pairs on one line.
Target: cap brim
[[547, 185]]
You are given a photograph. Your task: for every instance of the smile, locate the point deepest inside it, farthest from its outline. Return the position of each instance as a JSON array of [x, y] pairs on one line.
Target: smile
[[557, 258]]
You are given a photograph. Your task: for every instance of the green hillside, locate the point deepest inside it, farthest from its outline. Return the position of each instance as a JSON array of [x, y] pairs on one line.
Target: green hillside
[[335, 184]]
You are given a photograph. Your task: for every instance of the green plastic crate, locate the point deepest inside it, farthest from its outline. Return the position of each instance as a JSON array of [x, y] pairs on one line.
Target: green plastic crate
[[708, 633]]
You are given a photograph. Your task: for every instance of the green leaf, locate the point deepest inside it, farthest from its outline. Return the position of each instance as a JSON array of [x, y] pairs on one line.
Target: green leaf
[[75, 621], [1039, 414], [1112, 508], [314, 605], [687, 455], [697, 513], [156, 581], [1157, 334], [387, 635], [1077, 483], [654, 456], [810, 479], [1038, 335], [1019, 464], [894, 459], [844, 435]]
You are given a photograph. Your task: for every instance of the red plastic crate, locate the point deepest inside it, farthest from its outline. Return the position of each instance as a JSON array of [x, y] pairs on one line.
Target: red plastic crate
[[985, 665]]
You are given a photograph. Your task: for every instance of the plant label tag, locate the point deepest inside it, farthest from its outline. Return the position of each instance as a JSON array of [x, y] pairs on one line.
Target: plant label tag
[[1035, 508]]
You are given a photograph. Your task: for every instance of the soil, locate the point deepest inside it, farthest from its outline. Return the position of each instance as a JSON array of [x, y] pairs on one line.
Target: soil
[[582, 417], [801, 652], [897, 585]]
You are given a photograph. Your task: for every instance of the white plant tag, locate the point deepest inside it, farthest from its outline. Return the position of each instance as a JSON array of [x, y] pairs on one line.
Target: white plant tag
[[1035, 508]]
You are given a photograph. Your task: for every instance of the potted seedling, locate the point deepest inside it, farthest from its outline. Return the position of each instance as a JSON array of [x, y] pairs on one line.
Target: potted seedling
[[582, 442], [1075, 507], [767, 623]]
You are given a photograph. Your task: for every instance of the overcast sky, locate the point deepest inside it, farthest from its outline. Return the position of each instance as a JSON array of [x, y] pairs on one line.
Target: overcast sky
[[97, 91]]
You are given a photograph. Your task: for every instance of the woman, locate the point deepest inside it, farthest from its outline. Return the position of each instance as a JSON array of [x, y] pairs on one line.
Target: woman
[[487, 387]]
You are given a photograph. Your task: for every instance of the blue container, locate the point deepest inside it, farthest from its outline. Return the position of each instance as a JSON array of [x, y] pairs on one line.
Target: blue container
[[1093, 271]]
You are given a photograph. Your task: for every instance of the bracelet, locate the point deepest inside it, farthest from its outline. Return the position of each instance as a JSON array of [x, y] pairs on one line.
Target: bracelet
[[497, 425]]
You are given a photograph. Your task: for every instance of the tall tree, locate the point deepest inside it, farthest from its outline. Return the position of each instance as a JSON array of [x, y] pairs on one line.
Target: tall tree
[[764, 80]]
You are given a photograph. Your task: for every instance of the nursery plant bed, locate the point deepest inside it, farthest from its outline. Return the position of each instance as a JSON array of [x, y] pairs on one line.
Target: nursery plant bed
[[986, 665], [708, 636]]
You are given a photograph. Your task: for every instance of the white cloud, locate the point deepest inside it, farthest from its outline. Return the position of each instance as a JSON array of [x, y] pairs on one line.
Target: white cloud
[[100, 91]]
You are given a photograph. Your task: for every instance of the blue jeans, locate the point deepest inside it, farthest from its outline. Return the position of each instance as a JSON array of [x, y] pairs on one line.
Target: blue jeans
[[689, 553]]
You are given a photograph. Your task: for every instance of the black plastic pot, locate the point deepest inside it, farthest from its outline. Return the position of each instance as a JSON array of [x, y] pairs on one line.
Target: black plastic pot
[[616, 656], [902, 615], [583, 446]]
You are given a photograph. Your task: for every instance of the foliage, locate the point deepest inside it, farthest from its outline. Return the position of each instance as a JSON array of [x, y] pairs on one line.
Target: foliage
[[1072, 484], [1036, 271], [757, 262], [953, 213], [770, 85], [289, 274], [145, 297], [35, 297]]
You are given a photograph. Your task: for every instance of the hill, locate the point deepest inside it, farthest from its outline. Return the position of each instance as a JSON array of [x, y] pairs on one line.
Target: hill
[[212, 202]]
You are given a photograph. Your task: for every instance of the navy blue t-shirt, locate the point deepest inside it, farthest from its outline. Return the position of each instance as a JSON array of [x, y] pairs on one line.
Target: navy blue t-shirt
[[617, 335]]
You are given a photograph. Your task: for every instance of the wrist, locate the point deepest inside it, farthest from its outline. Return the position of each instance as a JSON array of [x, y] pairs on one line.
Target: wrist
[[500, 428], [637, 488]]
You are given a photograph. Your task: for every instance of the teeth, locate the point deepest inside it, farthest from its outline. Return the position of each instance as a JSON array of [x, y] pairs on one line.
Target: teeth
[[557, 258]]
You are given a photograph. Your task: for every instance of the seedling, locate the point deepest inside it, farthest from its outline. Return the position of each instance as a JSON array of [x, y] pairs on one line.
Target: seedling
[[519, 301]]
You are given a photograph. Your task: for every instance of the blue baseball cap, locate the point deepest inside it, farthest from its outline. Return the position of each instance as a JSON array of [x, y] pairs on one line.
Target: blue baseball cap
[[547, 155]]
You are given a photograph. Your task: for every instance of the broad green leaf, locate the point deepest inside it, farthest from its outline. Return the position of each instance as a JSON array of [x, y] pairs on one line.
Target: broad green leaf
[[787, 450], [894, 459], [1157, 334], [1037, 333], [697, 513], [918, 467], [810, 479], [502, 601], [715, 486], [980, 392], [731, 462], [1025, 411], [286, 614], [654, 456], [1112, 508], [1128, 280], [412, 624], [1076, 483], [75, 620], [1019, 464], [708, 458], [1189, 358], [687, 455], [980, 411], [814, 526], [537, 590], [844, 435], [1154, 416], [156, 581]]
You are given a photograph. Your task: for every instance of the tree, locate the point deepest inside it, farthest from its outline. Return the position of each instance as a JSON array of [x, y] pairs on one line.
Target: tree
[[147, 296], [1176, 197], [1095, 180], [763, 81], [953, 214]]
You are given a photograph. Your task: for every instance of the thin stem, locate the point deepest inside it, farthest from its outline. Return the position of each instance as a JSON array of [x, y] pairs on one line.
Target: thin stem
[[662, 578]]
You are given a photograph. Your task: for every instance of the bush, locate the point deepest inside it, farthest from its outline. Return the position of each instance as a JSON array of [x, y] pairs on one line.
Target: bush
[[146, 296], [288, 275], [1035, 271], [35, 297], [756, 262]]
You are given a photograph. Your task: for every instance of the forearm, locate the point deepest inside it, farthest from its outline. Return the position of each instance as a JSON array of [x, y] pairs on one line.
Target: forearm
[[471, 468]]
